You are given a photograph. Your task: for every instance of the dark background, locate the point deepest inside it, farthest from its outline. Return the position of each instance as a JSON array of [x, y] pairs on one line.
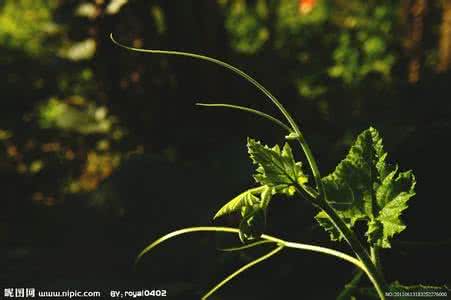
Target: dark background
[[103, 150]]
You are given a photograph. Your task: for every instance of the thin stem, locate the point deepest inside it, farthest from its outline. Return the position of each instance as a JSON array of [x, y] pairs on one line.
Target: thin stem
[[266, 237], [245, 76], [312, 163], [241, 73], [251, 110], [218, 62], [180, 232], [251, 245], [242, 269], [328, 251]]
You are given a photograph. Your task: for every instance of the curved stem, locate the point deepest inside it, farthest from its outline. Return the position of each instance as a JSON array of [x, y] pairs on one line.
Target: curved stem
[[318, 249], [266, 237], [241, 73], [215, 61], [242, 269], [312, 163], [251, 110], [180, 232], [247, 246], [328, 251]]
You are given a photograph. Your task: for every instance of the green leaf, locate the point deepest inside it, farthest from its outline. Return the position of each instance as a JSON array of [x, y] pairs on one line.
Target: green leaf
[[400, 191], [253, 211], [244, 199], [275, 166], [365, 187]]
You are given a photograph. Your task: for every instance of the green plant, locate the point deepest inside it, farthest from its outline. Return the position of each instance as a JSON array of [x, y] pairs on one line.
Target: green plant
[[363, 187]]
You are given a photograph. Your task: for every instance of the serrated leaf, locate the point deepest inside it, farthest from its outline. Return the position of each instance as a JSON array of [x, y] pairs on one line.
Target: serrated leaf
[[365, 187], [275, 166], [244, 199], [252, 204], [400, 191]]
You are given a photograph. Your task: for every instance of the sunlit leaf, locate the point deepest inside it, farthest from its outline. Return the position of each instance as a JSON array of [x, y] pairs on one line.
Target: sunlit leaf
[[246, 198], [365, 187], [275, 166]]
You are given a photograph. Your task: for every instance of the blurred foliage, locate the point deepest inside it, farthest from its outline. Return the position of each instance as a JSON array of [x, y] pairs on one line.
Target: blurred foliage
[[26, 25], [62, 109], [362, 43], [365, 41], [246, 25], [80, 50], [84, 119]]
